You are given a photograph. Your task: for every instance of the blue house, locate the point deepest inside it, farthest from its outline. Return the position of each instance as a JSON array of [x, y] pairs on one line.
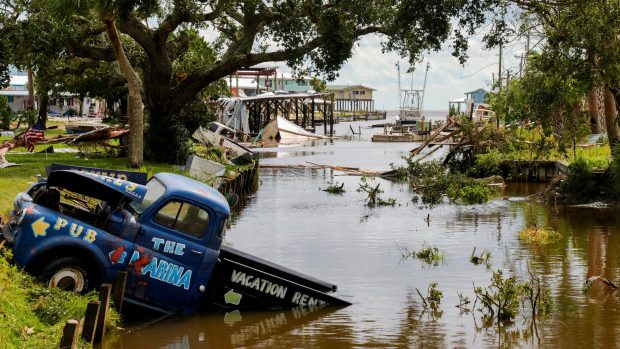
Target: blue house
[[477, 96]]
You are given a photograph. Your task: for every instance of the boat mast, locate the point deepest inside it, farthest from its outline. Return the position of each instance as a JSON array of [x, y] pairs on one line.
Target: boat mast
[[400, 101], [428, 66]]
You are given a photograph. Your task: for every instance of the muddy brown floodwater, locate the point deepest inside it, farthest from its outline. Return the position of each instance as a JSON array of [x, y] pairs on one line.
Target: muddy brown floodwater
[[291, 222]]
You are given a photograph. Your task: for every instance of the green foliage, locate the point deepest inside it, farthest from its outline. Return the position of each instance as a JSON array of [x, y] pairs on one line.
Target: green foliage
[[5, 113], [427, 254], [318, 85], [373, 199], [539, 236], [484, 258], [432, 300], [501, 298], [579, 185], [487, 164], [433, 182], [30, 116], [504, 297], [335, 188], [33, 315]]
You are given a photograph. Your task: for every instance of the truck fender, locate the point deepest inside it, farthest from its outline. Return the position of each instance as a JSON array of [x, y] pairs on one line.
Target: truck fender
[[54, 248]]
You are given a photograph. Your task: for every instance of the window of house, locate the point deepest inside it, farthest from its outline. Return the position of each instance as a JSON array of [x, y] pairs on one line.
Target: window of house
[[10, 99], [185, 218]]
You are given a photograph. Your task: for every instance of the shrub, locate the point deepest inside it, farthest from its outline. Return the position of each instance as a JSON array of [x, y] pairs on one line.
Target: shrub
[[487, 164], [5, 113], [579, 184]]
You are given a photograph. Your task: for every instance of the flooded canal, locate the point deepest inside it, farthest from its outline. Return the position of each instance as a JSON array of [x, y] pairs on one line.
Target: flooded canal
[[290, 221]]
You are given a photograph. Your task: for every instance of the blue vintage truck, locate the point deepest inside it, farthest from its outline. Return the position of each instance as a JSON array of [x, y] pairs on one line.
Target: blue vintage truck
[[78, 229]]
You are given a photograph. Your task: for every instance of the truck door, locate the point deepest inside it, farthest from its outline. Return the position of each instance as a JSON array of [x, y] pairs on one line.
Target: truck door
[[170, 249]]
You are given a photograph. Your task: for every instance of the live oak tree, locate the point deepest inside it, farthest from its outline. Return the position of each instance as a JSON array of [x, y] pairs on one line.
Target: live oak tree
[[583, 38], [317, 36]]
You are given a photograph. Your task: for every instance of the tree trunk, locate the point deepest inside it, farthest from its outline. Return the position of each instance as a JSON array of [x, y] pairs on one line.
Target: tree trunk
[[593, 104], [43, 105], [30, 101], [610, 119], [135, 113]]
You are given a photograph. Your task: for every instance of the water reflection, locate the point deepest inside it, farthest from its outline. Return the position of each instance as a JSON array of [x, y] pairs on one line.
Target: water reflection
[[235, 329]]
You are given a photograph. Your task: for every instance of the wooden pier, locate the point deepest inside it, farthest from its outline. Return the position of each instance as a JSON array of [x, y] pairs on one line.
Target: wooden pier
[[307, 110]]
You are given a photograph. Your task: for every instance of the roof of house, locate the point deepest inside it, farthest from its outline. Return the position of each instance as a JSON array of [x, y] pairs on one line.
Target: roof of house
[[15, 93], [476, 91], [346, 87], [244, 83]]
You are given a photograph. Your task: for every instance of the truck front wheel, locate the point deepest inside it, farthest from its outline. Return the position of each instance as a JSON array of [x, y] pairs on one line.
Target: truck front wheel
[[67, 273]]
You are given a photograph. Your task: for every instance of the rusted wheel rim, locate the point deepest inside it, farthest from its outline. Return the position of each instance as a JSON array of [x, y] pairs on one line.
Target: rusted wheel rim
[[69, 279]]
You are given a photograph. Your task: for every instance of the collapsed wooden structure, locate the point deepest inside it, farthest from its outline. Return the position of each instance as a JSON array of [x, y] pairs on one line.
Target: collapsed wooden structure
[[306, 110], [452, 134]]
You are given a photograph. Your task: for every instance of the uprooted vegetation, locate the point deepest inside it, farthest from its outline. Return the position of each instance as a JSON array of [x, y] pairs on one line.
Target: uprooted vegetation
[[483, 258], [433, 182], [427, 254], [335, 188], [540, 236], [372, 193], [432, 300], [504, 298]]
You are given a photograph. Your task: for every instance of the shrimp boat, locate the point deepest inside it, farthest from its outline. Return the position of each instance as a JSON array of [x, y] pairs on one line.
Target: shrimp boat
[[410, 109]]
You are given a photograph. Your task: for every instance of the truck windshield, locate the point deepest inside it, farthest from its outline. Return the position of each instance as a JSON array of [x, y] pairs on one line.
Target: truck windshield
[[155, 189]]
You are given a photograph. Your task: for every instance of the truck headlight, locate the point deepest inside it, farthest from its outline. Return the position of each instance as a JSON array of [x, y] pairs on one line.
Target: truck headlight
[[18, 203]]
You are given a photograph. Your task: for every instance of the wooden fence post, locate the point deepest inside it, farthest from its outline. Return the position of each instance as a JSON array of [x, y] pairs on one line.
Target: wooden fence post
[[119, 290], [104, 297], [90, 321], [69, 334]]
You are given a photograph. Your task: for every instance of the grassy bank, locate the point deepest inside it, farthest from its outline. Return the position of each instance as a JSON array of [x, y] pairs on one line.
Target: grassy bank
[[32, 315]]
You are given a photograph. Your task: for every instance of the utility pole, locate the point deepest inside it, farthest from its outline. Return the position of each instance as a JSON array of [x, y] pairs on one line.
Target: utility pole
[[499, 76]]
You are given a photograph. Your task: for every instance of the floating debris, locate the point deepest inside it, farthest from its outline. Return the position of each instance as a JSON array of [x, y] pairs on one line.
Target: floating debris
[[541, 236]]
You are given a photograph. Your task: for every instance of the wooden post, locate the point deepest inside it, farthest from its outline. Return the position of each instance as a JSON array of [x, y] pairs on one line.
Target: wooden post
[[296, 111], [331, 116], [313, 112], [324, 116], [69, 334], [305, 114], [119, 290], [90, 321], [104, 297]]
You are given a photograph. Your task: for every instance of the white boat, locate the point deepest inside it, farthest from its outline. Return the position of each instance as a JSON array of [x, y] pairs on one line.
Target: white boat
[[410, 110], [223, 136], [281, 130]]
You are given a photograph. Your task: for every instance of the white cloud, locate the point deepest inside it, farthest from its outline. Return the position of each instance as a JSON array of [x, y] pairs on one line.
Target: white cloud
[[447, 79]]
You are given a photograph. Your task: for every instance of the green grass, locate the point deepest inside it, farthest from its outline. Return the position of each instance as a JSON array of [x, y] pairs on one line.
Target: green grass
[[16, 179], [32, 315]]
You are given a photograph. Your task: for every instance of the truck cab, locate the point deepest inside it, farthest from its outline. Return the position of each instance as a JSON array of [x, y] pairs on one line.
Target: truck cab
[[77, 230]]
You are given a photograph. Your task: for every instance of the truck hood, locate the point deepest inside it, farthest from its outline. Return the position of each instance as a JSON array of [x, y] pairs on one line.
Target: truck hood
[[96, 186]]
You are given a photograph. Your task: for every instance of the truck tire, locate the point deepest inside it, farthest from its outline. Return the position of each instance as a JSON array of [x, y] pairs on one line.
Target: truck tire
[[67, 273]]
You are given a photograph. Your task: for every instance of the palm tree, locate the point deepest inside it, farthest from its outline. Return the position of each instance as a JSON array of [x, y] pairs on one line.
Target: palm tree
[[106, 10]]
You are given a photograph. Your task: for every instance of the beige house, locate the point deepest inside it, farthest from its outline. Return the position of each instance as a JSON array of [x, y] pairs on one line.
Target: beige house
[[354, 98]]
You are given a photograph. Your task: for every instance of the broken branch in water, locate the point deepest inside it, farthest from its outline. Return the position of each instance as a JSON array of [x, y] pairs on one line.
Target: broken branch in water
[[605, 281]]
